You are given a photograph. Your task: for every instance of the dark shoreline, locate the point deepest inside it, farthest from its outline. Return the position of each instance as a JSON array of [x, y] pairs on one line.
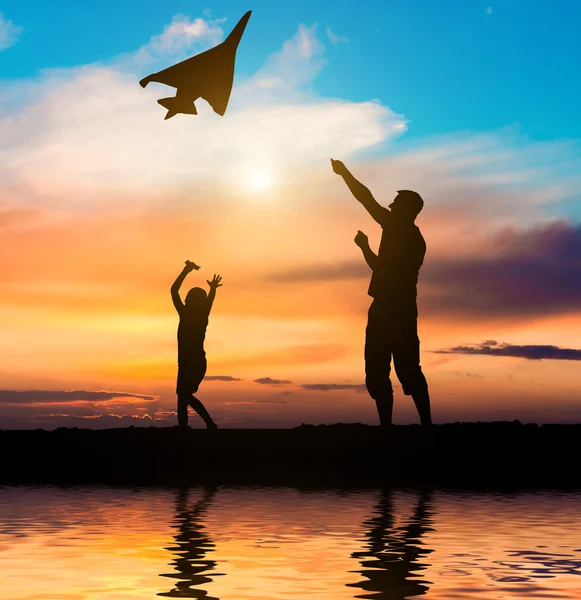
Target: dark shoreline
[[459, 455]]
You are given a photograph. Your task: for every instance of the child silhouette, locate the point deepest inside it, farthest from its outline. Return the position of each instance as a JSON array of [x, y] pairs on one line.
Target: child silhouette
[[194, 313]]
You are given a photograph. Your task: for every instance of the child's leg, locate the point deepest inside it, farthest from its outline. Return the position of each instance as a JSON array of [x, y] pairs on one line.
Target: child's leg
[[201, 410], [183, 400]]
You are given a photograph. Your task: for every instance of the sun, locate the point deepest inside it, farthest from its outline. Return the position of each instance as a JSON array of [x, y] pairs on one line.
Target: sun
[[260, 180]]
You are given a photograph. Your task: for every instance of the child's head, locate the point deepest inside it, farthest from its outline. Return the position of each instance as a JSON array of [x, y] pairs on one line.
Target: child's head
[[196, 298]]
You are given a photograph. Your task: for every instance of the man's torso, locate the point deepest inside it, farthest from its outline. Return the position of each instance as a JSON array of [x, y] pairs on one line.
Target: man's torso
[[400, 257]]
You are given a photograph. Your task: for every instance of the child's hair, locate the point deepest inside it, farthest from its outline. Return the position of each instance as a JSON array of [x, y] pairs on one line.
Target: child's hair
[[196, 297]]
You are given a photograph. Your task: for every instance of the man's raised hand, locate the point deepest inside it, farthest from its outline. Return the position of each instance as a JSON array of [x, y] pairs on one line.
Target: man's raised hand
[[338, 167], [215, 283]]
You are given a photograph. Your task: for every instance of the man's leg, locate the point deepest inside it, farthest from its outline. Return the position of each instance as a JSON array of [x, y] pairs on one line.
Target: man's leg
[[377, 364], [406, 361], [421, 398], [201, 410]]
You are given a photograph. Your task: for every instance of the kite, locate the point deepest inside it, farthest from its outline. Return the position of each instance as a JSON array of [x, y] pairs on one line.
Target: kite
[[208, 75]]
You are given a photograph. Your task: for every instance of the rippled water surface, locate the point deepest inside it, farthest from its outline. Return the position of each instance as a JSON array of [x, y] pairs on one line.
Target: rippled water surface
[[272, 543]]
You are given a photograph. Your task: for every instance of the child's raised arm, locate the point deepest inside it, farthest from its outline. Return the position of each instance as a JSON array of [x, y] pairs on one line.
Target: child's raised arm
[[177, 284], [214, 284]]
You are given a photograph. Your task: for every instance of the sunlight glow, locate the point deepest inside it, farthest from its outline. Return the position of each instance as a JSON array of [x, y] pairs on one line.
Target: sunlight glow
[[260, 180]]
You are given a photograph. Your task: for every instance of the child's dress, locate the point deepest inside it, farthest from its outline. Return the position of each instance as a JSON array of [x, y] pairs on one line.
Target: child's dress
[[191, 354]]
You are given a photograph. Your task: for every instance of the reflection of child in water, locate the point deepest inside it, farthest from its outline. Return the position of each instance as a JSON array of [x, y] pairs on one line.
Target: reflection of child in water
[[192, 364]]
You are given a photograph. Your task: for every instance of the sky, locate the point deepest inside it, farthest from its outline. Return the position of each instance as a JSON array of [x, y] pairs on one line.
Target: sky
[[473, 105]]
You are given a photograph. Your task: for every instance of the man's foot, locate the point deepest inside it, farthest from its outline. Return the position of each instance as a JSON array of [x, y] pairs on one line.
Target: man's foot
[[211, 426]]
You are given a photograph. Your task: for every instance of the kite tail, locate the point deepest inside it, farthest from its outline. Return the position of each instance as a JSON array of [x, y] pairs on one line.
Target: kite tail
[[236, 33], [177, 105]]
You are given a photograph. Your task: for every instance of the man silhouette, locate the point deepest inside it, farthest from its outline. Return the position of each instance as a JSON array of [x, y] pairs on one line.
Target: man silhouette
[[392, 327], [394, 554]]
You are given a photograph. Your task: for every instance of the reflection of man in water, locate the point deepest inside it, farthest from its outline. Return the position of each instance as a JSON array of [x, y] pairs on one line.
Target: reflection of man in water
[[392, 327], [192, 545], [392, 555]]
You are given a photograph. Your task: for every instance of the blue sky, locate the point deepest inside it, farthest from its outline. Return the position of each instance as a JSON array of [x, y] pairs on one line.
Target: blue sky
[[447, 66]]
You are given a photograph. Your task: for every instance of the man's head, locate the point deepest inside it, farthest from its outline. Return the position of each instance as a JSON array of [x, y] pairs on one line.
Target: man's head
[[195, 298], [407, 205]]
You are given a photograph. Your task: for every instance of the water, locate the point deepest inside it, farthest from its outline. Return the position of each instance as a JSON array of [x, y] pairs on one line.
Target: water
[[89, 543]]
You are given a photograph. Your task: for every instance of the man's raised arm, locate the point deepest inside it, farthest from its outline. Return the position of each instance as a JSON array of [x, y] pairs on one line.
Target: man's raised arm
[[361, 192]]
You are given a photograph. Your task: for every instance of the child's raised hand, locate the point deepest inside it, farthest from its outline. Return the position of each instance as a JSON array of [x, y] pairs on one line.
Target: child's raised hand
[[190, 266], [215, 283]]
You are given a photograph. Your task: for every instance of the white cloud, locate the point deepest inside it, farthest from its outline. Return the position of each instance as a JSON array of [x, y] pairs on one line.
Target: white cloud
[[93, 128], [489, 10], [336, 39], [8, 32], [85, 131], [474, 184], [182, 36], [298, 62]]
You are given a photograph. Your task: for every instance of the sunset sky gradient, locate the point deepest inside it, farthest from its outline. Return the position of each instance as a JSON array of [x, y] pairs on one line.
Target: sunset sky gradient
[[101, 202]]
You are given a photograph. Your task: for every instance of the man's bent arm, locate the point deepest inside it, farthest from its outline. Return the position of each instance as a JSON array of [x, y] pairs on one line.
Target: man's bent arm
[[370, 256]]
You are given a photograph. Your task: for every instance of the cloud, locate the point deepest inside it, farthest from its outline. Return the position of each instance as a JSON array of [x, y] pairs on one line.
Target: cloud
[[488, 10], [252, 402], [515, 272], [298, 62], [179, 35], [221, 378], [8, 32], [92, 129], [180, 39], [343, 271], [59, 397], [519, 273], [530, 352], [332, 387], [102, 421], [269, 381], [336, 39]]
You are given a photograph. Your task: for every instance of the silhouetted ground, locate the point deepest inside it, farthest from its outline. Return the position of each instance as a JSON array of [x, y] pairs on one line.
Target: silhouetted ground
[[460, 454]]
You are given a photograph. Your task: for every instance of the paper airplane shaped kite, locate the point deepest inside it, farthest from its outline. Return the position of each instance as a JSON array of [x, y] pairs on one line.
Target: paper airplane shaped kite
[[208, 75]]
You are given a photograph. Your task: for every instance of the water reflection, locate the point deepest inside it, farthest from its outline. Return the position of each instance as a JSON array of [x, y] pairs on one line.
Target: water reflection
[[192, 546], [393, 554], [85, 543], [531, 564]]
